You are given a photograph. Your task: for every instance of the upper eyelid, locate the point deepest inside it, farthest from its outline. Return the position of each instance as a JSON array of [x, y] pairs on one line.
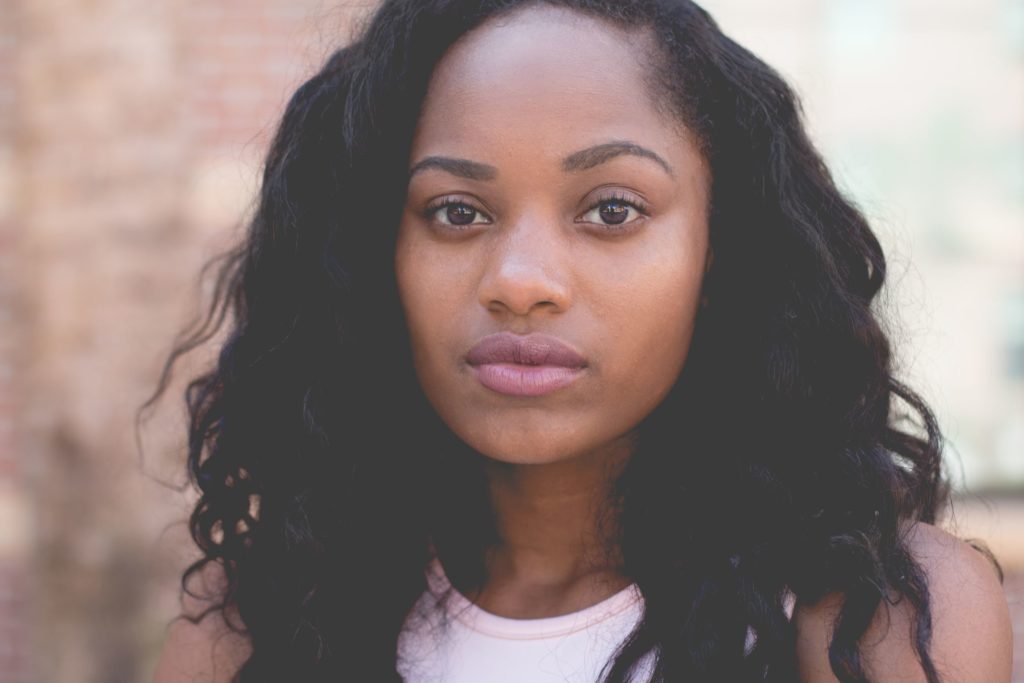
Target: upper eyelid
[[621, 196]]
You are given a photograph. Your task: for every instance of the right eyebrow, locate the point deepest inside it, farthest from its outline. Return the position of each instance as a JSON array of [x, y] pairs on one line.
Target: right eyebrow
[[464, 168]]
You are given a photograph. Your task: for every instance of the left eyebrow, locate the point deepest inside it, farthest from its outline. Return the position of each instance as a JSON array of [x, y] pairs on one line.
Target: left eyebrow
[[577, 161], [599, 154]]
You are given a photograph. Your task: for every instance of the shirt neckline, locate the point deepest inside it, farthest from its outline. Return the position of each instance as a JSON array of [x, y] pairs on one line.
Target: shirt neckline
[[460, 608]]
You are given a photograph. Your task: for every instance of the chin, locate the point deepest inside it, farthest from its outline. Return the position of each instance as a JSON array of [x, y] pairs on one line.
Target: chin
[[520, 445], [518, 451], [525, 458]]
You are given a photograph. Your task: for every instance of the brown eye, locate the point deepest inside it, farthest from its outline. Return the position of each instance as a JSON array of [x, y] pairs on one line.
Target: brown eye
[[460, 214], [615, 211], [453, 212]]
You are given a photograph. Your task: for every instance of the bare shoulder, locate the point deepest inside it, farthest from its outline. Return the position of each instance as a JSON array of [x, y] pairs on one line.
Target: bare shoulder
[[972, 640], [208, 651]]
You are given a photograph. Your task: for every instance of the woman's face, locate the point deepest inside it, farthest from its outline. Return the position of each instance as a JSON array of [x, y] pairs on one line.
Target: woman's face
[[576, 210]]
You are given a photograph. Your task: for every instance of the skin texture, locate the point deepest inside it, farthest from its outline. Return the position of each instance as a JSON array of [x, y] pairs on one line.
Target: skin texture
[[522, 95], [972, 640], [207, 652]]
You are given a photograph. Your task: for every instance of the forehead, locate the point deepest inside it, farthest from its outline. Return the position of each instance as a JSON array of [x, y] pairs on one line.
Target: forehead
[[543, 78]]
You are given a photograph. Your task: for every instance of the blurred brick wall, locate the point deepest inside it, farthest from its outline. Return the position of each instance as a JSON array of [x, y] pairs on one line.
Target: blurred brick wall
[[130, 135], [13, 501]]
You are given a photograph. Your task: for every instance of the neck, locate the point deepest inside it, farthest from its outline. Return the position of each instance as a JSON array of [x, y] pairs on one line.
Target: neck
[[555, 536]]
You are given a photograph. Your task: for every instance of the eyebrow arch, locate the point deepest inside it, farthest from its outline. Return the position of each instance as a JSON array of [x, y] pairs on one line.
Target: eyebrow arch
[[599, 154], [575, 162]]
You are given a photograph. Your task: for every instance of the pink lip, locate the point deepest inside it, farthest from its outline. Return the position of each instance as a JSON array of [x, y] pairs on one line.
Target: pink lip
[[531, 365]]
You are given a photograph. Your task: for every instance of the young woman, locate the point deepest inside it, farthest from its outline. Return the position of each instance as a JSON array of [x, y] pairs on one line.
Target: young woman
[[552, 357]]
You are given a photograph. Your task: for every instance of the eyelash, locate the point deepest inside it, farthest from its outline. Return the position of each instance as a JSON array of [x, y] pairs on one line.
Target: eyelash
[[633, 202]]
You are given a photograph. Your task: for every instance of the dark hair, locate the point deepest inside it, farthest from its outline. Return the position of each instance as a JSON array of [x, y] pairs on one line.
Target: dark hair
[[325, 475]]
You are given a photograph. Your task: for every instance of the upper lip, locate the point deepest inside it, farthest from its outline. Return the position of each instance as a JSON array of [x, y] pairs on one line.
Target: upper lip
[[532, 349]]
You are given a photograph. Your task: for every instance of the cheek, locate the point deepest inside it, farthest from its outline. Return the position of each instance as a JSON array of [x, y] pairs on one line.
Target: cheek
[[411, 278], [430, 301], [650, 322]]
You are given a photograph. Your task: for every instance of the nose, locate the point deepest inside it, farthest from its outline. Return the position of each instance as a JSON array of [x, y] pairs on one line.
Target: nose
[[527, 269]]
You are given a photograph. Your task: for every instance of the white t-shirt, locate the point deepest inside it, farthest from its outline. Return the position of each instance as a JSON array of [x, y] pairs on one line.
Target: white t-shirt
[[454, 641]]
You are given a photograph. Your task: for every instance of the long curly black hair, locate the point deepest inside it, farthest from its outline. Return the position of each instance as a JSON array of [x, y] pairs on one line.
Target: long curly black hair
[[327, 480]]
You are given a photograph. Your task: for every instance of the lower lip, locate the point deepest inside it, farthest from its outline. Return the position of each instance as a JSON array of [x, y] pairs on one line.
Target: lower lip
[[525, 380]]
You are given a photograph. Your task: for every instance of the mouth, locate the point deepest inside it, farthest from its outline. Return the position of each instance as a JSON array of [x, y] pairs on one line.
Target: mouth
[[513, 379], [532, 365]]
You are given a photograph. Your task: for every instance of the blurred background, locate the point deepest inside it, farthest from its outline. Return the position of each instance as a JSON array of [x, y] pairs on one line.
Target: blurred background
[[130, 142]]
